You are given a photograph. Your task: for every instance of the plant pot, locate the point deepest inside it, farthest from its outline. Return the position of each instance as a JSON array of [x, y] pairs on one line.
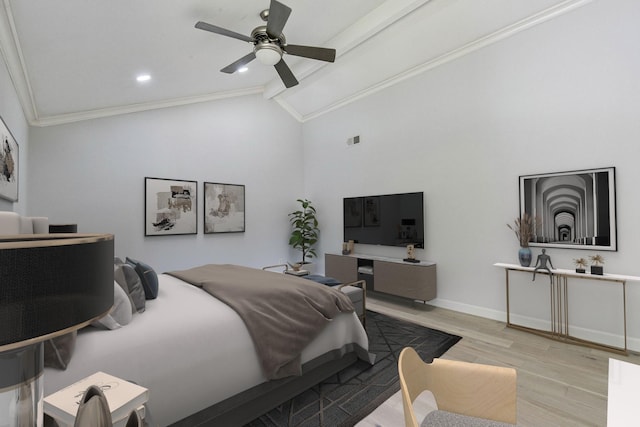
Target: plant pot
[[524, 257], [597, 269], [580, 270]]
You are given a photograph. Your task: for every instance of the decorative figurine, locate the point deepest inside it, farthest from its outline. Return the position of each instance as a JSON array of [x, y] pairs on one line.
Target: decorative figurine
[[411, 255], [411, 252], [345, 251], [541, 264]]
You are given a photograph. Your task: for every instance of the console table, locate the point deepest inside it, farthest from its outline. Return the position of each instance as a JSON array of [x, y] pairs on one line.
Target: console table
[[560, 303], [383, 274]]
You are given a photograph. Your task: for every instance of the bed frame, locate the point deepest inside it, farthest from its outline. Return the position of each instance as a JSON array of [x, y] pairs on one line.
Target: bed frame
[[242, 408]]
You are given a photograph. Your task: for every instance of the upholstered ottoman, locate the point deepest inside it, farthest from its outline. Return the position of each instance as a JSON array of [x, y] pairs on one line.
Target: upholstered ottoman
[[355, 291]]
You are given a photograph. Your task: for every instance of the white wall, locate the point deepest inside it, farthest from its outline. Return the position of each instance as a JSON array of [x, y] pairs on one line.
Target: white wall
[[14, 118], [92, 173], [560, 96]]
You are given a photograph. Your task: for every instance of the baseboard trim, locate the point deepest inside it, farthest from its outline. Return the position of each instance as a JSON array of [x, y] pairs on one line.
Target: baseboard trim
[[607, 338]]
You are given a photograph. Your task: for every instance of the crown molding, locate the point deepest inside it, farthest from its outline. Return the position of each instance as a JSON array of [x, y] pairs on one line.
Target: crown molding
[[135, 108], [374, 22], [288, 108], [13, 58]]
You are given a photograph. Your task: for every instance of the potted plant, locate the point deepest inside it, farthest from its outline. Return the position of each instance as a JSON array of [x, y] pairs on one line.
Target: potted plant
[[597, 262], [305, 229], [581, 265], [524, 228]]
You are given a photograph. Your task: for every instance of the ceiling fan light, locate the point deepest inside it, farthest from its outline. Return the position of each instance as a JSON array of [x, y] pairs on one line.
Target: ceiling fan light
[[268, 54]]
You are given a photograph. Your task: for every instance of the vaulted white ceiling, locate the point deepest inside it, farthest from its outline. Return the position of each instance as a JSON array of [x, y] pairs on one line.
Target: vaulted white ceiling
[[78, 59]]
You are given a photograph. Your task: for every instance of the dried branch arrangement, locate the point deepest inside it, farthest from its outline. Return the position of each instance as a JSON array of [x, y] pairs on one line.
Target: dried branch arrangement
[[524, 227]]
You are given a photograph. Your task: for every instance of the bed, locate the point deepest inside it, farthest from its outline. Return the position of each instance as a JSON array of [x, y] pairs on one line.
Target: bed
[[196, 357]]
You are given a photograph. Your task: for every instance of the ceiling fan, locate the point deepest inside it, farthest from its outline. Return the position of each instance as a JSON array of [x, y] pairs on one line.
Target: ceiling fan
[[269, 44]]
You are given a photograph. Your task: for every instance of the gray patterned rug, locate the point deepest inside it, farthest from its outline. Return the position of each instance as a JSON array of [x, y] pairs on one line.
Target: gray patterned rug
[[349, 396]]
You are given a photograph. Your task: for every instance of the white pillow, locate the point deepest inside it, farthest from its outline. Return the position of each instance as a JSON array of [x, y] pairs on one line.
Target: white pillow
[[121, 312], [40, 224], [9, 223]]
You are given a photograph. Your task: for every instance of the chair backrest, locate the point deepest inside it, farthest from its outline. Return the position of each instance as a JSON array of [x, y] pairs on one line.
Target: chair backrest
[[472, 389]]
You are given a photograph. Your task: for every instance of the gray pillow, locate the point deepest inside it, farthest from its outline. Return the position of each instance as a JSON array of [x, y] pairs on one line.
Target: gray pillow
[[127, 277], [121, 313], [58, 351], [148, 277]]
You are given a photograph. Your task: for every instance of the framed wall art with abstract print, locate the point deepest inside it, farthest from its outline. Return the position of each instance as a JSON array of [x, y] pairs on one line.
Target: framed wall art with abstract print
[[8, 164], [170, 207], [573, 210], [223, 208]]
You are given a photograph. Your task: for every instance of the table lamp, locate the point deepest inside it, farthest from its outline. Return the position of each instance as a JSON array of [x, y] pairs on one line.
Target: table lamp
[[50, 285]]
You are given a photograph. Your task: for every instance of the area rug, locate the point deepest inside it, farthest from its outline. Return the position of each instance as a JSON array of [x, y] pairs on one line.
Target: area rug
[[353, 393]]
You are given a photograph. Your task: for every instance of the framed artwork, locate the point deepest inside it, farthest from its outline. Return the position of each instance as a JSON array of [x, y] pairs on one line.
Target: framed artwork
[[170, 207], [372, 211], [8, 164], [573, 210], [353, 211], [224, 208]]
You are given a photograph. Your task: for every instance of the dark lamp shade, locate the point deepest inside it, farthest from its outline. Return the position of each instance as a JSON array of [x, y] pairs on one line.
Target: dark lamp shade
[[52, 285]]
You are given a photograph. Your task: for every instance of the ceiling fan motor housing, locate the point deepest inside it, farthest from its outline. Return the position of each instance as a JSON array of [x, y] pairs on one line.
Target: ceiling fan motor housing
[[268, 50], [269, 44]]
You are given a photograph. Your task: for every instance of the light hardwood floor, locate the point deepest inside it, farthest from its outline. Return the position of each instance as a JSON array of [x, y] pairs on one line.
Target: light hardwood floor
[[559, 384]]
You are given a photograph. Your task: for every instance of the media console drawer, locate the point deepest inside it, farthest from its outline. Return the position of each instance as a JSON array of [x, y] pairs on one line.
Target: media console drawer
[[390, 275], [342, 268]]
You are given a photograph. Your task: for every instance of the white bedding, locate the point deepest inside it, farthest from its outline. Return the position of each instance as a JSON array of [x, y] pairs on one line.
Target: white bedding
[[173, 346]]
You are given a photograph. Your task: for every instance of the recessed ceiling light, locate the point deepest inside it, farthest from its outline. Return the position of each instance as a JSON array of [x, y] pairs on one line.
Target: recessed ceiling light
[[243, 69], [143, 78]]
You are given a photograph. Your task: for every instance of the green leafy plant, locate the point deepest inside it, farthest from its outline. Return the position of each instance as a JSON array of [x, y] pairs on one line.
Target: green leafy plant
[[305, 229], [524, 227], [596, 259]]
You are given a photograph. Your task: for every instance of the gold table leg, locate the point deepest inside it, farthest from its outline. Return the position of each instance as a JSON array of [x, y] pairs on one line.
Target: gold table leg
[[559, 302]]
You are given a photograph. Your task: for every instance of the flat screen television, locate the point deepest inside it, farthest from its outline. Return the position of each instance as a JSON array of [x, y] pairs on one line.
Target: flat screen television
[[389, 220]]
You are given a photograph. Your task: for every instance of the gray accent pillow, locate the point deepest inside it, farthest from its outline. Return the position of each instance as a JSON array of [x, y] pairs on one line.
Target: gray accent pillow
[[121, 313], [127, 277], [148, 277], [116, 266], [58, 351]]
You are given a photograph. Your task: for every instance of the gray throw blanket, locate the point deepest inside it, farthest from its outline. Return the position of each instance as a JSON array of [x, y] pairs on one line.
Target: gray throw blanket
[[283, 313]]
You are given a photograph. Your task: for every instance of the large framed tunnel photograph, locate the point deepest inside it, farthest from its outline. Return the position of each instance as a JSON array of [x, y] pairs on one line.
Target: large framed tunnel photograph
[[573, 210]]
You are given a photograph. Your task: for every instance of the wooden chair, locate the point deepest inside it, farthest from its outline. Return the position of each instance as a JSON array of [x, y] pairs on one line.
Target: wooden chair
[[471, 389]]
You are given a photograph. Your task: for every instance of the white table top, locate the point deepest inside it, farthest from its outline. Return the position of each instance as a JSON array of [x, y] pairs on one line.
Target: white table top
[[624, 389], [387, 259], [572, 273]]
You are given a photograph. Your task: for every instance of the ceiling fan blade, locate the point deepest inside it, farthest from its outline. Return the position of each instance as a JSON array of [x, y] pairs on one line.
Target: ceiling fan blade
[[222, 31], [286, 74], [232, 68], [320, 53], [278, 16]]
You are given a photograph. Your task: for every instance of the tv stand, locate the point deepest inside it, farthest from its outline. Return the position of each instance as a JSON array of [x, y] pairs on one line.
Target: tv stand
[[392, 276]]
